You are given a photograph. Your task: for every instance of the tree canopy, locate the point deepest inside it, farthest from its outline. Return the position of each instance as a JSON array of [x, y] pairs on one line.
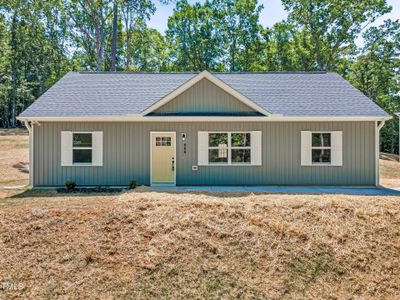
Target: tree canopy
[[41, 40]]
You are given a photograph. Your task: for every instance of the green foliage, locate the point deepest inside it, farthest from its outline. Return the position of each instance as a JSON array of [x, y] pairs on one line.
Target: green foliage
[[132, 184], [194, 40], [376, 72], [333, 25], [41, 40], [70, 185]]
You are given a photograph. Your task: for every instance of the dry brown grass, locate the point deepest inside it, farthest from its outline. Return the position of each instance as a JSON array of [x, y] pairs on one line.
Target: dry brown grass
[[143, 245], [390, 170], [14, 157]]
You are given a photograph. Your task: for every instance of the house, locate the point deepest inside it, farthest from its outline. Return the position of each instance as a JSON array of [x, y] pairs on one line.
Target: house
[[204, 129]]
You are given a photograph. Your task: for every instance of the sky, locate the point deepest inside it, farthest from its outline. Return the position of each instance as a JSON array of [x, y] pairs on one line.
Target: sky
[[272, 13]]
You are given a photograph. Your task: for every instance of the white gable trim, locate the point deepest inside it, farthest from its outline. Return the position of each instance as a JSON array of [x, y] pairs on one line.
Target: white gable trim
[[218, 82]]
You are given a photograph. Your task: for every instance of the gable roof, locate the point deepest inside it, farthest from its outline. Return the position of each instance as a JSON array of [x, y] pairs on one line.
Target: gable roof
[[218, 82], [312, 94]]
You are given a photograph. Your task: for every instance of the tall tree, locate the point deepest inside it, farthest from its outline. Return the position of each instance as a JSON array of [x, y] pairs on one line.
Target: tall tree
[[134, 15], [376, 72], [238, 23], [114, 37], [35, 50], [148, 51], [194, 37], [90, 18], [333, 25]]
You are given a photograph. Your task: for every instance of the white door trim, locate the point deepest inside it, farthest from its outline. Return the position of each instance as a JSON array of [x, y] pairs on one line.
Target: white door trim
[[151, 159]]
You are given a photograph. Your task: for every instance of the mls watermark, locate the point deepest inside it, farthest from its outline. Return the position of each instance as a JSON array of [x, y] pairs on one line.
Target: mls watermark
[[11, 286]]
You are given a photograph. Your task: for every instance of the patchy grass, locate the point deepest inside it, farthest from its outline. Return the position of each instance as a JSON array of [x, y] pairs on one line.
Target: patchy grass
[[145, 245], [14, 157], [390, 170]]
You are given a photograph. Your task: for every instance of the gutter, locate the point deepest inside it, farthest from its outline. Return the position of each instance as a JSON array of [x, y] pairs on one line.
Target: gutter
[[139, 118]]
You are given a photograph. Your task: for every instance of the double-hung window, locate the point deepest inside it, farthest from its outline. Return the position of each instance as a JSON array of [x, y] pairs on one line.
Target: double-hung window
[[321, 148], [82, 148], [230, 148]]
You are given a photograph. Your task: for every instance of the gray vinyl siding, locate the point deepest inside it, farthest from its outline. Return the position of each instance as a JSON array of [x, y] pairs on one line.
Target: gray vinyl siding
[[127, 155], [204, 97]]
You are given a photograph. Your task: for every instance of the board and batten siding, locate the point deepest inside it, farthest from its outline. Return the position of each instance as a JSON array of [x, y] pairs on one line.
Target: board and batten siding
[[126, 154], [204, 97]]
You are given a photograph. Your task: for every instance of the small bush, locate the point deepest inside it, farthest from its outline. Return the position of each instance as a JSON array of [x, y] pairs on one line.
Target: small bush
[[70, 185], [132, 184]]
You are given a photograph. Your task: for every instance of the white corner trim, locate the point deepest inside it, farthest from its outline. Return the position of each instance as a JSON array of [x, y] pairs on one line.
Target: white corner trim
[[30, 131], [218, 82]]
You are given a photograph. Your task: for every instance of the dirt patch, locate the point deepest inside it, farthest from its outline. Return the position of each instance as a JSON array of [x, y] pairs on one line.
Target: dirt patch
[[14, 158], [389, 170], [145, 245]]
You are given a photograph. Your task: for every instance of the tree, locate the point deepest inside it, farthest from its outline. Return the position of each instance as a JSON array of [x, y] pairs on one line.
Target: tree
[[194, 38], [134, 15], [34, 54], [239, 26], [148, 50], [333, 25], [114, 37], [89, 18], [376, 72]]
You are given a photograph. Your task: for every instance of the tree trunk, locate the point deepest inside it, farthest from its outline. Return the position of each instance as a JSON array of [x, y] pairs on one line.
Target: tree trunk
[[114, 38], [14, 75], [128, 43]]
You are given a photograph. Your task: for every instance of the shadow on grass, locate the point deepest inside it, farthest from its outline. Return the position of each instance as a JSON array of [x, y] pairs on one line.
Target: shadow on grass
[[55, 193], [23, 167], [104, 191], [281, 190]]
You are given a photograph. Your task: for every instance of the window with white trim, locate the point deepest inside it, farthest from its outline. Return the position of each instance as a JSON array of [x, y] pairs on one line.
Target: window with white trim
[[82, 148], [321, 148], [229, 148]]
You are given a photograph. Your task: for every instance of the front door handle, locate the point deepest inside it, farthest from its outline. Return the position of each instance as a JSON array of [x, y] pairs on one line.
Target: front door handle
[[173, 164]]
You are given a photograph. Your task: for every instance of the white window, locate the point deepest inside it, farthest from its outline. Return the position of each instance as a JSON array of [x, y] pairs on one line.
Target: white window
[[229, 148], [321, 148], [81, 148]]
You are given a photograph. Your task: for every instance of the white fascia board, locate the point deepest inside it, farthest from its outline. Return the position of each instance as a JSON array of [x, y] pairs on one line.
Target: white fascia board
[[139, 118], [218, 82]]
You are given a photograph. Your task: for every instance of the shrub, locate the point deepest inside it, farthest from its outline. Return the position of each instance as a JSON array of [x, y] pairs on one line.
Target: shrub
[[132, 184], [70, 184]]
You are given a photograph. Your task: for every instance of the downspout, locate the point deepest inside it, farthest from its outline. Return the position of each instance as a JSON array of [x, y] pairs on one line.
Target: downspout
[[378, 126], [30, 130]]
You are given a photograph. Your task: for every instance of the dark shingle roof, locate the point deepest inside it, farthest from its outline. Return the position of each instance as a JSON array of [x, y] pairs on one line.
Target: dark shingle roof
[[121, 94]]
